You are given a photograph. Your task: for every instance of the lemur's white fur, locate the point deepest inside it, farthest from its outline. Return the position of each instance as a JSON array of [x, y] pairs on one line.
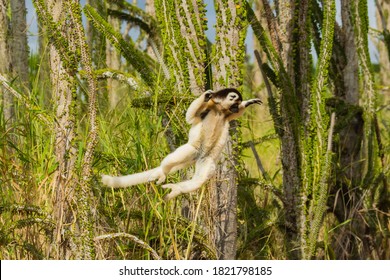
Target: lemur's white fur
[[209, 117]]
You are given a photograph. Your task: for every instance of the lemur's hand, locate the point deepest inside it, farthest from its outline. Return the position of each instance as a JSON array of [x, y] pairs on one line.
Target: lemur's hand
[[252, 101], [208, 95]]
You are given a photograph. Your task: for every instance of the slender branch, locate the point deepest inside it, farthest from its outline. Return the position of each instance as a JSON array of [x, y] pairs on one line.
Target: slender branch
[[259, 140], [149, 27], [359, 13], [271, 99], [272, 26], [133, 238], [261, 35], [68, 56], [323, 193], [42, 116], [386, 33], [120, 76], [380, 149], [381, 15], [84, 198], [140, 61], [258, 162]]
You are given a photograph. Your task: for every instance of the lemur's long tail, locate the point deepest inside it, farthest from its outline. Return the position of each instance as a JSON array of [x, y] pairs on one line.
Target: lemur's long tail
[[133, 179]]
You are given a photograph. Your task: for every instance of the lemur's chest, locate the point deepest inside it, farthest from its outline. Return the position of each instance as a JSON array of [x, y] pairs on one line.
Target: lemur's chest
[[209, 135], [214, 123], [213, 133]]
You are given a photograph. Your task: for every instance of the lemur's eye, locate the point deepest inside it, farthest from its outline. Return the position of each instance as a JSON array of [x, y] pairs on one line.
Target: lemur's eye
[[232, 97]]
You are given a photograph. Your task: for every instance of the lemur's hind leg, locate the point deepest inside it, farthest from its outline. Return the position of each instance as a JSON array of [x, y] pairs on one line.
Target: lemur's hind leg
[[204, 170], [182, 157]]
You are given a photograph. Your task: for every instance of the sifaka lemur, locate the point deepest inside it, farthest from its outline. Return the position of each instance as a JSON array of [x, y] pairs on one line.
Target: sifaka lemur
[[209, 116]]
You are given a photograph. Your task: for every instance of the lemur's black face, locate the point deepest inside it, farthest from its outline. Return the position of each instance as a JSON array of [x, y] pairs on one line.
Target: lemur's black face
[[235, 98], [229, 99], [231, 102], [234, 108]]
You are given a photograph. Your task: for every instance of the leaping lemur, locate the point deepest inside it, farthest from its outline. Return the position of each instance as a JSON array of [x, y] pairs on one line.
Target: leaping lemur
[[209, 116]]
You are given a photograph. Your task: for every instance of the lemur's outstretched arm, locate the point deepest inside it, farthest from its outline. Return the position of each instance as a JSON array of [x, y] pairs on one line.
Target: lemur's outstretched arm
[[197, 107], [242, 107]]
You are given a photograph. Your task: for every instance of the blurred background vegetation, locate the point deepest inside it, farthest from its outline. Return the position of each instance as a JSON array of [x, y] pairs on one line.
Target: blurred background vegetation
[[305, 176]]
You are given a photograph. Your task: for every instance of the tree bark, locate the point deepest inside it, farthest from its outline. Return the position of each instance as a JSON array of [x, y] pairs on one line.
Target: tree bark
[[352, 134], [85, 215], [113, 61], [289, 138], [185, 43], [95, 39], [44, 67], [54, 17], [229, 56], [19, 46], [5, 62], [346, 196], [257, 78], [383, 23], [151, 10]]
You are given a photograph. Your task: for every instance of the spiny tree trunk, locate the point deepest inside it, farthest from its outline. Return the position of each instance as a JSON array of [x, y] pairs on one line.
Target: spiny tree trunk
[[5, 62], [97, 45], [44, 66], [371, 168], [13, 52], [85, 213], [317, 136], [383, 23], [64, 93], [356, 147], [74, 228], [19, 47], [257, 80], [151, 10], [184, 43], [300, 120], [229, 56], [349, 146], [95, 39], [113, 61], [352, 134], [289, 137], [383, 9]]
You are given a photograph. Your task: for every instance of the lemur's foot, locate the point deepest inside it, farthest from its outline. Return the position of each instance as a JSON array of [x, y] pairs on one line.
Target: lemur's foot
[[159, 176], [175, 191], [161, 180]]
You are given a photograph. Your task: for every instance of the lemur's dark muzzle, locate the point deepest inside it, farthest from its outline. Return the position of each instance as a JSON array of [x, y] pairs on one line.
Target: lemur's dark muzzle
[[234, 108]]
